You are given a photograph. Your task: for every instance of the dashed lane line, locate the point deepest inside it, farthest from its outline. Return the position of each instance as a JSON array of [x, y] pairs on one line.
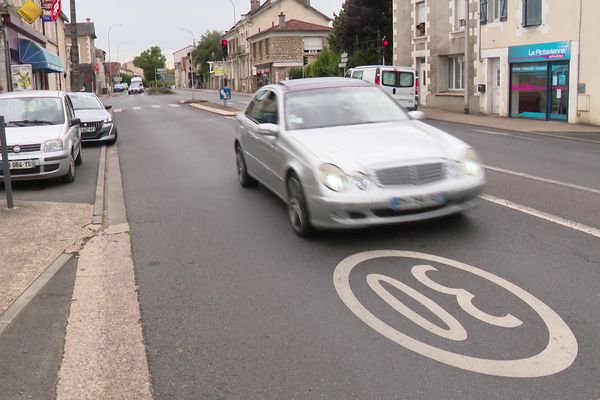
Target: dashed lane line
[[155, 106], [118, 110], [174, 105], [136, 108], [543, 215]]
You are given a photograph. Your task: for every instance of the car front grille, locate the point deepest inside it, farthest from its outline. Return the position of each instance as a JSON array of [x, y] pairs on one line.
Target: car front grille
[[96, 125], [25, 148], [411, 175]]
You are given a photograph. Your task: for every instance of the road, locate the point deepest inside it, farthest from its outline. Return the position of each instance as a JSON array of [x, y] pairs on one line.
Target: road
[[235, 306]]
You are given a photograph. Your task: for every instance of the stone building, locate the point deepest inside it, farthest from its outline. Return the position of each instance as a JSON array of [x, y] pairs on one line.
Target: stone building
[[86, 36]]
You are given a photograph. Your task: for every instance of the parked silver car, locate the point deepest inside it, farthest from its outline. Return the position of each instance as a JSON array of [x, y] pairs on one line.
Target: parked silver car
[[342, 153], [42, 135], [97, 123]]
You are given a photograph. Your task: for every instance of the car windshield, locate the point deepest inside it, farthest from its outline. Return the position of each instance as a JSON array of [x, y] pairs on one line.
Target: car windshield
[[23, 111], [339, 106], [86, 103], [135, 85]]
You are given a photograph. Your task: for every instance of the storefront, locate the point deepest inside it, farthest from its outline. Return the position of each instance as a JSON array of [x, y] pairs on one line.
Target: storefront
[[539, 81]]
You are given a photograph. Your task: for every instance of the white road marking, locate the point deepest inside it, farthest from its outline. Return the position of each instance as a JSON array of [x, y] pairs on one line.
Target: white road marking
[[155, 106], [136, 108], [559, 353], [118, 110], [506, 134], [174, 105], [543, 215], [539, 178], [230, 117]]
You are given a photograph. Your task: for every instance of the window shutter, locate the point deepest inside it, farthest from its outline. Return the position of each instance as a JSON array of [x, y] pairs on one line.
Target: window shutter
[[483, 12], [503, 10], [532, 12]]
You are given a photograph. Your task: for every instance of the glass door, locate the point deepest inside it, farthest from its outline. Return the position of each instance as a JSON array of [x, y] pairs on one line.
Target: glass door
[[559, 92]]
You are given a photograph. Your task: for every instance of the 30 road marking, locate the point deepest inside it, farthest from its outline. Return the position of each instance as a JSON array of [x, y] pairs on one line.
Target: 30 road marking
[[539, 178], [543, 215], [506, 134], [136, 108], [559, 353]]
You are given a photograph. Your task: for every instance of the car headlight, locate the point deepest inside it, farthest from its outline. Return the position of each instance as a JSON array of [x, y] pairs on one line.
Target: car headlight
[[332, 177], [361, 181], [53, 145], [108, 120], [471, 163]]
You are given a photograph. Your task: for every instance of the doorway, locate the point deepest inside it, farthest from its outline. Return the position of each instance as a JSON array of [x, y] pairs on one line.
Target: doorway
[[495, 84]]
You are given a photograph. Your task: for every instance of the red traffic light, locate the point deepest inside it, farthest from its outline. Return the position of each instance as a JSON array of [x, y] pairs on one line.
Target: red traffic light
[[386, 42], [224, 42]]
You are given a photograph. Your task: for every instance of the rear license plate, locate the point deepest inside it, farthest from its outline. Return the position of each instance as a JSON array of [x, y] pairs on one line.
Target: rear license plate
[[88, 129], [21, 164], [416, 202]]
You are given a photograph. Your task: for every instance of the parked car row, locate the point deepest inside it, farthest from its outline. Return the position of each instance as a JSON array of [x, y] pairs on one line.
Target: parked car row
[[45, 131], [120, 87]]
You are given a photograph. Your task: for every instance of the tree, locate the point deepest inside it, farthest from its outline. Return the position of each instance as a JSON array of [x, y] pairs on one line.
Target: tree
[[208, 49], [326, 64], [359, 29], [149, 60]]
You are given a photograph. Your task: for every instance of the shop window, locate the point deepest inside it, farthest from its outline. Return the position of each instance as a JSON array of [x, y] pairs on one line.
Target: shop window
[[532, 12], [456, 73], [421, 15], [529, 91]]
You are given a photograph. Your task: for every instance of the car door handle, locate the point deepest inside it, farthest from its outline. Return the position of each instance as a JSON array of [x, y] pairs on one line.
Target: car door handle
[[394, 91]]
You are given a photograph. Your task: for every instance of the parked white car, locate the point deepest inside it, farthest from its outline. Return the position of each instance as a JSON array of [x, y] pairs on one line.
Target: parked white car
[[42, 135], [401, 83]]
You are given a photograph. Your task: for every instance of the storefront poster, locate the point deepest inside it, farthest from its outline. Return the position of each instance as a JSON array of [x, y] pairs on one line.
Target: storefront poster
[[22, 77], [30, 11], [555, 51]]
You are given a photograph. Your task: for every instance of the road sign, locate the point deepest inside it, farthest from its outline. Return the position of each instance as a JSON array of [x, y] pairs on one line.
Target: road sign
[[225, 93], [344, 58], [47, 18], [342, 65]]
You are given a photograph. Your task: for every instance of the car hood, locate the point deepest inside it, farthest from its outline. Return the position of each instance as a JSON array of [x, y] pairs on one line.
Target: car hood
[[376, 145], [32, 134], [92, 115]]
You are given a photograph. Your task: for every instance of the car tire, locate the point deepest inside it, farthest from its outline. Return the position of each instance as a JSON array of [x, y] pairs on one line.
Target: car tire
[[79, 159], [113, 140], [242, 170], [70, 176], [297, 209]]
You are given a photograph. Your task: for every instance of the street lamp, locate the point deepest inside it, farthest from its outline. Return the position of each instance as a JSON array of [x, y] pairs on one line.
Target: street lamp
[[234, 13], [109, 59], [192, 62]]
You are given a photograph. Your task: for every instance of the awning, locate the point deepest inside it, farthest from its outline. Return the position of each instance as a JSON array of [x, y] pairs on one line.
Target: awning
[[39, 58]]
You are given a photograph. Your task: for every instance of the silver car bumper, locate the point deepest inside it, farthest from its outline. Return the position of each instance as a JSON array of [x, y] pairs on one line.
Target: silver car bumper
[[370, 209], [47, 166], [104, 134]]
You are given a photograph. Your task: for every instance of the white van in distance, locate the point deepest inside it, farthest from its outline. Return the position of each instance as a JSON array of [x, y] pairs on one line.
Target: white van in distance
[[400, 82]]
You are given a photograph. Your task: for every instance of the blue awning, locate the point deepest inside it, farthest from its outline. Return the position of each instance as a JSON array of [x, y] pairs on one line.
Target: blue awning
[[39, 58]]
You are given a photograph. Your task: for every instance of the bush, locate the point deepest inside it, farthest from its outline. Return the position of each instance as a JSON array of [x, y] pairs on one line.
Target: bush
[[159, 90], [295, 73]]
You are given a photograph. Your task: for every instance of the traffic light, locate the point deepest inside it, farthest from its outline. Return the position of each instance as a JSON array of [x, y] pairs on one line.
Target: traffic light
[[224, 45], [385, 42], [305, 60]]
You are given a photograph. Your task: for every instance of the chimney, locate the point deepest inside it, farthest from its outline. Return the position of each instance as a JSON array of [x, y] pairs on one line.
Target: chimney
[[254, 6], [88, 20], [282, 20]]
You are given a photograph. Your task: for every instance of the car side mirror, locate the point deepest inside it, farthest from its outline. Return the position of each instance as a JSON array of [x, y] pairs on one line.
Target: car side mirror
[[75, 121], [108, 106], [268, 129], [418, 115]]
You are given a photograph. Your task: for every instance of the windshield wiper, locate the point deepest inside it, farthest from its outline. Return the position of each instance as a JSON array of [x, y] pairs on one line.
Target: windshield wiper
[[30, 122]]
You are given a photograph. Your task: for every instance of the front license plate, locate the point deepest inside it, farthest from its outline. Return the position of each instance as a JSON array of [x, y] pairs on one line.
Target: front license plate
[[88, 129], [416, 202], [21, 164]]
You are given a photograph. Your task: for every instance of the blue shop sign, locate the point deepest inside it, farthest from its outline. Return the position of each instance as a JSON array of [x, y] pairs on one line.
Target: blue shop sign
[[555, 51]]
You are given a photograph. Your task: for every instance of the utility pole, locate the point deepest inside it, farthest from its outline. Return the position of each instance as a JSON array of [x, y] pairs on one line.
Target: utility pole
[[75, 80], [467, 59]]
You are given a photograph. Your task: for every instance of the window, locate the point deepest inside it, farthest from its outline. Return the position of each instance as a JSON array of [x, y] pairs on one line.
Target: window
[[532, 12], [266, 47], [421, 14], [456, 73], [398, 79], [492, 10], [483, 11], [357, 74], [460, 14], [264, 109]]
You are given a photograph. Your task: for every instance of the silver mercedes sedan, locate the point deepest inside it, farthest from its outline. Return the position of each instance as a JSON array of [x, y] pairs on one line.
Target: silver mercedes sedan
[[342, 153]]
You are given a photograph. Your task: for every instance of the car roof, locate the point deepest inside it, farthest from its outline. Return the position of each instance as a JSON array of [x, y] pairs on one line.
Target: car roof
[[88, 94], [295, 85], [384, 66], [33, 93]]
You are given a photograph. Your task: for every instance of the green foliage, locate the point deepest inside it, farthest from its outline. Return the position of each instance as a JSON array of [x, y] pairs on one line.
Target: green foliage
[[149, 60], [295, 73], [208, 49], [360, 27], [159, 90], [126, 78], [326, 64]]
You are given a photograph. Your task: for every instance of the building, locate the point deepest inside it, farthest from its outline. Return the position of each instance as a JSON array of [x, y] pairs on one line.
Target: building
[[86, 36], [131, 69], [182, 70], [39, 44], [528, 58], [287, 45], [242, 68]]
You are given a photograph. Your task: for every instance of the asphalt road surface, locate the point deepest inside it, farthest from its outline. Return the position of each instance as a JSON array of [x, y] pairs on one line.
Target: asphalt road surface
[[500, 304]]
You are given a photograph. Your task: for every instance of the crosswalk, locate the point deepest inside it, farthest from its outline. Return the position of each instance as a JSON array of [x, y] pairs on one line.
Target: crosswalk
[[139, 108]]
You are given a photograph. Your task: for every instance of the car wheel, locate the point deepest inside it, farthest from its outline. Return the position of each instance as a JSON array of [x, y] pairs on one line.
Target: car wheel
[[297, 210], [79, 159], [242, 170], [70, 176], [113, 140]]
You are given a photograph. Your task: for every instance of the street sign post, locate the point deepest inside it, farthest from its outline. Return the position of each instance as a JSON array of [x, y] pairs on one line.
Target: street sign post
[[225, 94], [5, 165]]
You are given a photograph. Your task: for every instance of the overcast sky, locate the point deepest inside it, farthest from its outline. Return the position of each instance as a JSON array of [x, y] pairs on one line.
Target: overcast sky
[[158, 22]]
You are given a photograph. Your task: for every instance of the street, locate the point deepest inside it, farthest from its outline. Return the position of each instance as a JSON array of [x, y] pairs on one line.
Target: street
[[235, 306]]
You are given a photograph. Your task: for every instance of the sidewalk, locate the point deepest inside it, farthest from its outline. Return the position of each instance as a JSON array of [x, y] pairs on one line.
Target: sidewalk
[[553, 128]]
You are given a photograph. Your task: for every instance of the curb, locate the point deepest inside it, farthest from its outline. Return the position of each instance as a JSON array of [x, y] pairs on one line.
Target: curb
[[100, 185], [215, 110]]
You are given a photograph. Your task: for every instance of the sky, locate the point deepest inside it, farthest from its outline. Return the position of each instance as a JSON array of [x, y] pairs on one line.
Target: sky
[[148, 23]]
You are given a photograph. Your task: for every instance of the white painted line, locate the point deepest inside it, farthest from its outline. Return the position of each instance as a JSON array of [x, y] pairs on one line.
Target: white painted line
[[155, 106], [118, 110], [174, 105], [506, 134], [543, 215], [539, 178], [231, 118], [136, 108]]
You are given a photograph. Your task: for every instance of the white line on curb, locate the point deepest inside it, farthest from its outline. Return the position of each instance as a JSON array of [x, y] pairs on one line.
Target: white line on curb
[[542, 215], [539, 178]]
